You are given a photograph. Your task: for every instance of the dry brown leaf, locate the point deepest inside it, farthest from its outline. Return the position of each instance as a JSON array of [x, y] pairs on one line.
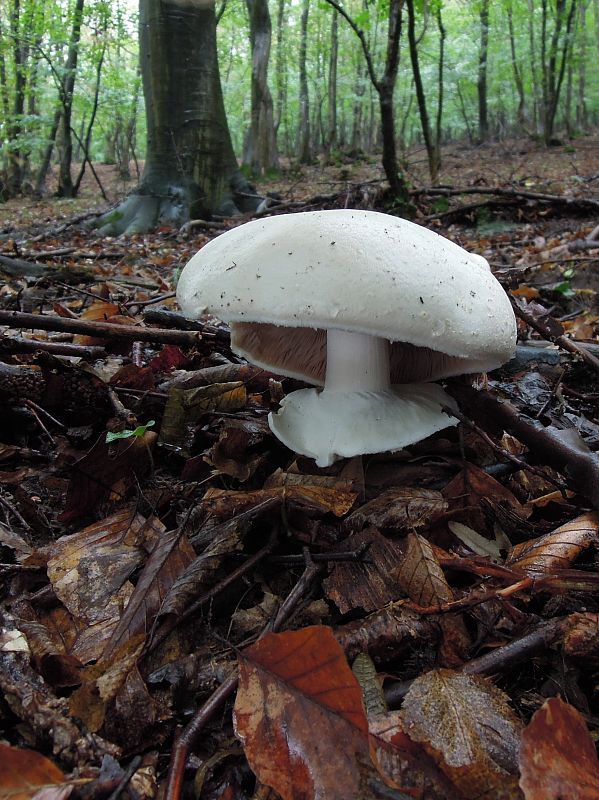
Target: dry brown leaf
[[102, 682], [420, 575], [185, 407], [310, 492], [559, 549], [25, 773], [169, 559], [405, 763], [466, 491], [422, 579], [107, 470], [467, 726], [367, 584], [300, 716], [229, 454], [558, 760], [89, 573], [582, 638], [401, 509]]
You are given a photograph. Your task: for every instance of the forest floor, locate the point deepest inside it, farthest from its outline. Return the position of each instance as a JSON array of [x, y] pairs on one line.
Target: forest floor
[[163, 555]]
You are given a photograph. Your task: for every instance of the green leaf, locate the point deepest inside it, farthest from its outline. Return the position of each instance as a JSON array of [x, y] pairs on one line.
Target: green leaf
[[127, 434]]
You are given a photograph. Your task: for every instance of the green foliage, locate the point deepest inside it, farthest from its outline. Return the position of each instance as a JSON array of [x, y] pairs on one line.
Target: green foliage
[[129, 434], [41, 31]]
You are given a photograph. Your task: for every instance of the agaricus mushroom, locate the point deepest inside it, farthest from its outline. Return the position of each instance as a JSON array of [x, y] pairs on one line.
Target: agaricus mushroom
[[370, 306]]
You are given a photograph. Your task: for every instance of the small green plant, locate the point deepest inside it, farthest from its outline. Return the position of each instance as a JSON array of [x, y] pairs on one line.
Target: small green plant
[[127, 434]]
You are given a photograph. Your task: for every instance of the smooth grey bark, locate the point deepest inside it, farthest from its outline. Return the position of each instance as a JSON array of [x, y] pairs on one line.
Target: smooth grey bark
[[481, 83], [190, 170], [303, 133], [260, 151], [65, 181]]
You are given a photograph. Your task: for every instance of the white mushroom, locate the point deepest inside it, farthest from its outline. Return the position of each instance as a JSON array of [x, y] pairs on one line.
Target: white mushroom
[[370, 306]]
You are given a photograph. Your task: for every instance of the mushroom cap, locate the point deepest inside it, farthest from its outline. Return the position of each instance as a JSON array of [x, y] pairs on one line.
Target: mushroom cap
[[282, 281]]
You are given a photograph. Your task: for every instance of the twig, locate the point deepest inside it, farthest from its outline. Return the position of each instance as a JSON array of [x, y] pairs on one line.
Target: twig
[[18, 344], [520, 649], [472, 599], [562, 341], [19, 319], [518, 462], [129, 773], [563, 449], [188, 736], [166, 628]]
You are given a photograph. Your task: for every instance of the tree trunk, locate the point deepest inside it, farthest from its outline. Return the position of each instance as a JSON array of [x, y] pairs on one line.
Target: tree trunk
[[190, 169], [14, 127], [65, 181], [537, 95], [481, 83], [281, 77], [261, 147], [555, 61], [331, 140], [581, 106], [521, 112], [304, 149], [431, 150], [357, 111], [385, 88]]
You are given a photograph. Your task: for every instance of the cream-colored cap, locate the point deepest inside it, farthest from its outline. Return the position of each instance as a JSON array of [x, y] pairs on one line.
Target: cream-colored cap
[[282, 281]]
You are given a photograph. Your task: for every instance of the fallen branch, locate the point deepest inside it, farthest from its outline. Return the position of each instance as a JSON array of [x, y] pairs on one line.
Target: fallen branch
[[105, 330], [448, 191], [564, 449], [545, 330], [19, 268], [18, 344]]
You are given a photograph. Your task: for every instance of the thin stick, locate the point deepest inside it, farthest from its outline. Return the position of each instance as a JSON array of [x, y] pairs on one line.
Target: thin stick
[[562, 341], [47, 322]]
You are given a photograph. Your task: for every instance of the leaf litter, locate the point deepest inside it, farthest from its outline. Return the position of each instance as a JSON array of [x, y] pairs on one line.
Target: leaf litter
[[154, 536]]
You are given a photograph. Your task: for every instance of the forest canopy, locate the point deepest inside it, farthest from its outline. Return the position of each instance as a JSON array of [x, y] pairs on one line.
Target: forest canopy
[[70, 78]]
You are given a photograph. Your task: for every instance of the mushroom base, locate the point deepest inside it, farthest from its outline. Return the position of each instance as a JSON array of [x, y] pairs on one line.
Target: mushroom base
[[329, 425]]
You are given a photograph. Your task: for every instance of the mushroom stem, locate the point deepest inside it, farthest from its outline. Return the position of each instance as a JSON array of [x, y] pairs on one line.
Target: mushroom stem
[[356, 362]]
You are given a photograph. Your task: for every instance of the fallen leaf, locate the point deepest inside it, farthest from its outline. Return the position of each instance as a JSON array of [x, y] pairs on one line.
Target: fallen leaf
[[297, 702], [369, 583], [25, 773], [420, 575], [105, 469], [582, 638], [557, 550], [89, 573], [169, 559], [335, 496], [101, 683], [467, 726], [401, 509], [423, 581], [185, 407], [558, 760]]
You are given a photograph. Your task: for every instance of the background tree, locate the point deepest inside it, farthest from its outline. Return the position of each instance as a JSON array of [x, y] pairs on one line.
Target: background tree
[[481, 84], [260, 152], [190, 169]]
